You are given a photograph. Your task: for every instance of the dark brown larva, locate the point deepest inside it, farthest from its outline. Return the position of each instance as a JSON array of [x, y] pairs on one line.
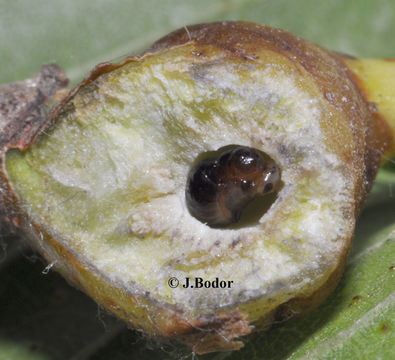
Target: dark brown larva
[[218, 189]]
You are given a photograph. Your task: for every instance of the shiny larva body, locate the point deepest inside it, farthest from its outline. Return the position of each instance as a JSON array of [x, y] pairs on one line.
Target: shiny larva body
[[219, 189]]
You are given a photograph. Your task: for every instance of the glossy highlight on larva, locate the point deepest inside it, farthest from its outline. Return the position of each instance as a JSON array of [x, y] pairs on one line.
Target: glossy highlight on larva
[[218, 189]]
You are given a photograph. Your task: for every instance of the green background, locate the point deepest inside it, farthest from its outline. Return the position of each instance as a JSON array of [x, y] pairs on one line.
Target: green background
[[41, 317]]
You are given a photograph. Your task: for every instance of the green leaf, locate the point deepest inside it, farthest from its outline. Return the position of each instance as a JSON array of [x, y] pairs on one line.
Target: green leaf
[[41, 317]]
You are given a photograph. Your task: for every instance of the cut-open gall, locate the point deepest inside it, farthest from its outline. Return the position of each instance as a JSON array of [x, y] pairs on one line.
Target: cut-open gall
[[110, 187]]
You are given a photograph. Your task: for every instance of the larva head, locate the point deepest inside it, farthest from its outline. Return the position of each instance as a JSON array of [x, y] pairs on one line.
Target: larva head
[[106, 186], [247, 168]]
